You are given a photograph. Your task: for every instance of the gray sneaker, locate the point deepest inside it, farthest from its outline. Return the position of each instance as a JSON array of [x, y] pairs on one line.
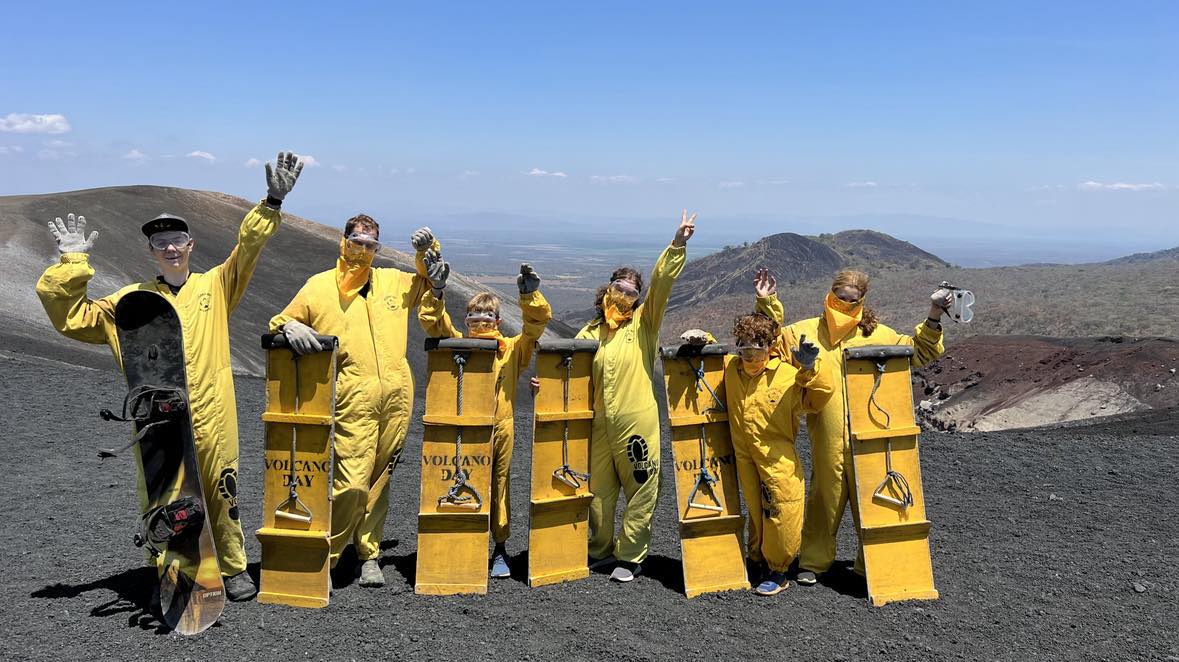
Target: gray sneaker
[[626, 571], [806, 578], [240, 587], [371, 575]]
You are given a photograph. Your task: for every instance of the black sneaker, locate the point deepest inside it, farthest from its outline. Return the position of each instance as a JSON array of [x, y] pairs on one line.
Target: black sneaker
[[240, 587]]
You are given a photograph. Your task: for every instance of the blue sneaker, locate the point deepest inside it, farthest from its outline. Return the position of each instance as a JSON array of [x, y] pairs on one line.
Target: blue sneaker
[[774, 583], [499, 563]]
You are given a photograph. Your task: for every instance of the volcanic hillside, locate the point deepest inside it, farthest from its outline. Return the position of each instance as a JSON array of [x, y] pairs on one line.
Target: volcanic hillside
[[299, 249], [795, 259], [1135, 296]]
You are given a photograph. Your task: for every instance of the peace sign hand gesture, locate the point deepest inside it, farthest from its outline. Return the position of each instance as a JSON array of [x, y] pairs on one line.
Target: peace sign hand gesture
[[70, 234], [685, 231]]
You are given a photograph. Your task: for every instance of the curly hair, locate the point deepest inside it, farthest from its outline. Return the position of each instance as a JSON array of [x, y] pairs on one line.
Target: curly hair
[[859, 280], [755, 329], [621, 273]]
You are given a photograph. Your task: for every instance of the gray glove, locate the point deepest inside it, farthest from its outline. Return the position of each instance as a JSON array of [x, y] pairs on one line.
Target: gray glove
[[422, 239], [806, 353], [281, 178], [528, 281], [437, 270], [71, 234], [696, 337], [943, 298], [301, 338]]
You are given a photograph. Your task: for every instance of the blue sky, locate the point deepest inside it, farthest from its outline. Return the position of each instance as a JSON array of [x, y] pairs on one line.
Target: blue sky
[[1021, 119]]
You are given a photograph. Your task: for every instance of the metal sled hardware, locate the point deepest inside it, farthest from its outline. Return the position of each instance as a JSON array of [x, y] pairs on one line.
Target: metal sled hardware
[[299, 453], [890, 506], [705, 469], [960, 308], [558, 513], [453, 517]]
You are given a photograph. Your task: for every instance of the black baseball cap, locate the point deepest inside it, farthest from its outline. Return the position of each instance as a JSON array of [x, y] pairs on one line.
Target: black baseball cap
[[163, 223]]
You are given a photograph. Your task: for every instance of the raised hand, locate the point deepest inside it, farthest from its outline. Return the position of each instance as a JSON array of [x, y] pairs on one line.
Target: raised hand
[[528, 281], [422, 238], [940, 302], [70, 234], [696, 337], [437, 270], [806, 353], [764, 283], [280, 178], [685, 231]]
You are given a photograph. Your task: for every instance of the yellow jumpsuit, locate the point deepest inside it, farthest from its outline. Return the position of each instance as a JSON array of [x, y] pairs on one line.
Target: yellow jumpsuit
[[513, 357], [831, 483], [203, 304], [374, 392], [624, 435], [764, 413]]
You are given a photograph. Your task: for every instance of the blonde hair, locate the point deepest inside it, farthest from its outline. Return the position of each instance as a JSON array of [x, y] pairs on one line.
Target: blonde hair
[[860, 281], [483, 302]]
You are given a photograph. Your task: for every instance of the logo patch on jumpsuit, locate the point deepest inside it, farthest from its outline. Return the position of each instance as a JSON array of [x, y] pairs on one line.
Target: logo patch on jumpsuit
[[227, 488], [637, 454]]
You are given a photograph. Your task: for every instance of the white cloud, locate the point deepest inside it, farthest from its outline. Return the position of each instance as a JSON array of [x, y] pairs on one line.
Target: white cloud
[[615, 179], [309, 161], [340, 168], [775, 182], [253, 163], [198, 154], [1118, 186], [865, 184], [410, 171], [135, 155], [537, 172], [28, 123], [467, 174], [11, 149], [732, 184], [666, 180]]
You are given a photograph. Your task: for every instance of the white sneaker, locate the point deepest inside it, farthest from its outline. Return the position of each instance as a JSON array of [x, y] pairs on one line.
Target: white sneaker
[[626, 571]]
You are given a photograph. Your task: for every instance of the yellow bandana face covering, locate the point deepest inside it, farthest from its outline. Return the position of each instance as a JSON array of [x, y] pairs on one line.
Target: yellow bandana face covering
[[617, 309], [841, 316], [755, 367], [352, 269], [489, 334]]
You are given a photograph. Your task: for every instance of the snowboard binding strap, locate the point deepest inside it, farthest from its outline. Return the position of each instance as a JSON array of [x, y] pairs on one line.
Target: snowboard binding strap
[[147, 406], [173, 521], [461, 494], [565, 473]]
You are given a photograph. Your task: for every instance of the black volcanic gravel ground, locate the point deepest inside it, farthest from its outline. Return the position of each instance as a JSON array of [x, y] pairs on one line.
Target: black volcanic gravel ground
[[1057, 544]]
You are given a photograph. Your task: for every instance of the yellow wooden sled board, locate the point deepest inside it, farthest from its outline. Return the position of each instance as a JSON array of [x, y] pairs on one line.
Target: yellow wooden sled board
[[711, 524], [453, 538], [884, 433], [558, 514], [295, 534]]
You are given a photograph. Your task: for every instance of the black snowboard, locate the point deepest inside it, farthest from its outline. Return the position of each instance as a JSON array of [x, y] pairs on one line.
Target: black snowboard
[[176, 525]]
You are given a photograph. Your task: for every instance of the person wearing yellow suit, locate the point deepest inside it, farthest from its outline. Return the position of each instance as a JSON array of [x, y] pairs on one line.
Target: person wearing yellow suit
[[766, 396], [624, 434], [368, 310], [483, 321], [203, 302], [845, 322]]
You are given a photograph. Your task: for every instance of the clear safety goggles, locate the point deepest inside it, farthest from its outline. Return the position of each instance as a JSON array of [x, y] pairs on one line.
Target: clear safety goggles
[[843, 298], [753, 352], [625, 291], [480, 322], [364, 242], [160, 241]]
